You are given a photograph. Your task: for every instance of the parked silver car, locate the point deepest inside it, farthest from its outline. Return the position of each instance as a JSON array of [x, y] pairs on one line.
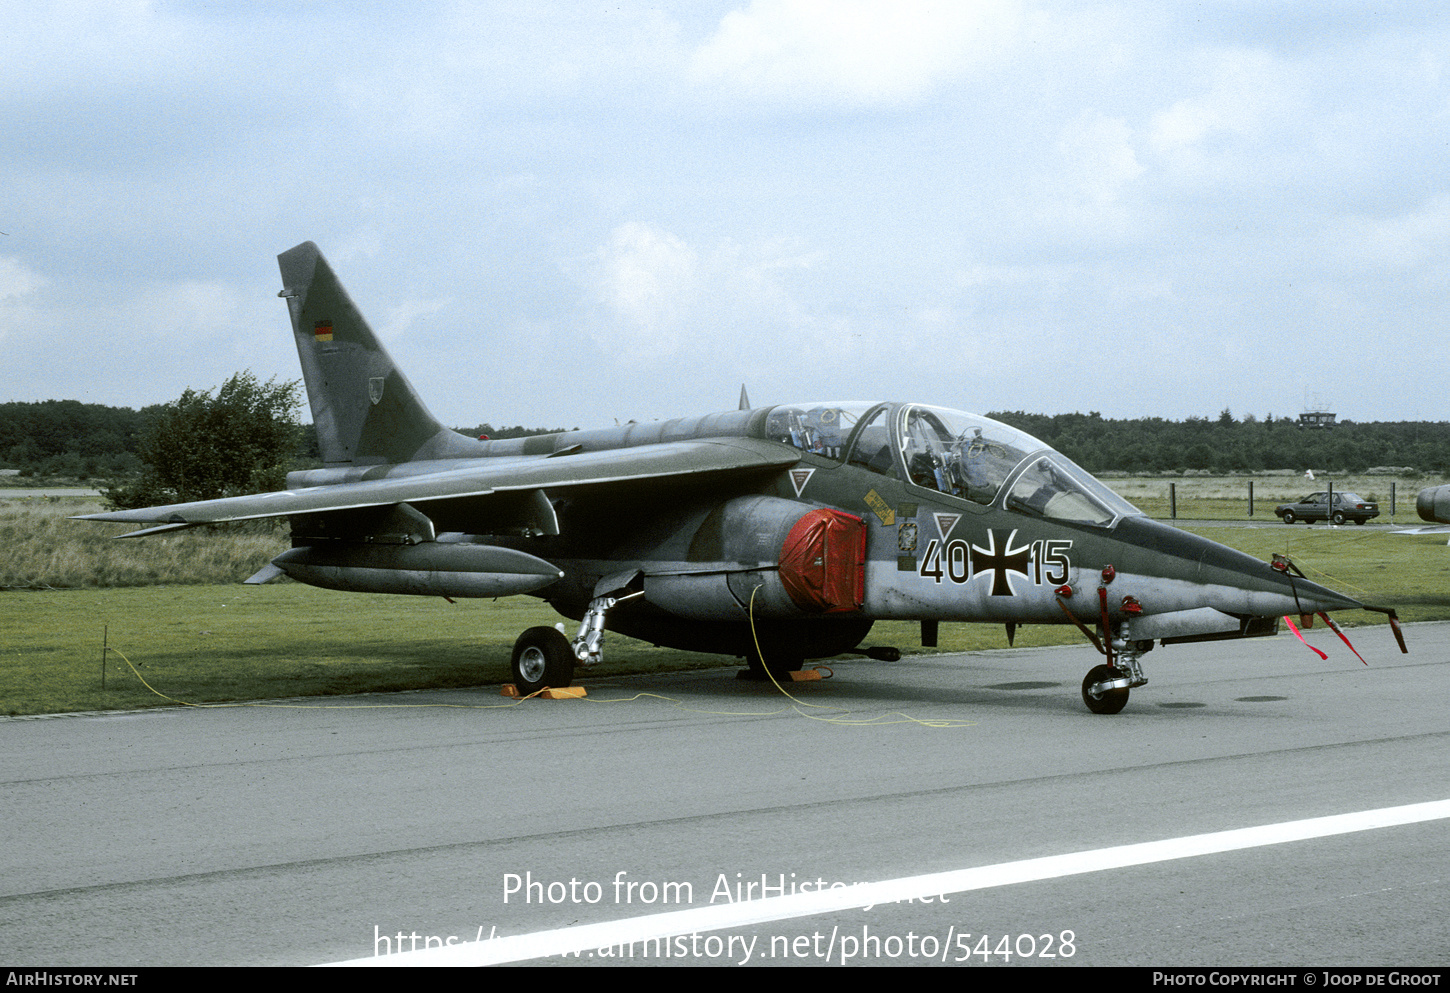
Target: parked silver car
[[1315, 507]]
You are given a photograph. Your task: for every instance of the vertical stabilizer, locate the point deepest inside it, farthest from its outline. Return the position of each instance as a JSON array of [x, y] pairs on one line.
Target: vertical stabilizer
[[364, 407]]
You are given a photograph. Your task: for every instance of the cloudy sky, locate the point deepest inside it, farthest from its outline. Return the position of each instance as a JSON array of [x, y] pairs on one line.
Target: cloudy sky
[[567, 213]]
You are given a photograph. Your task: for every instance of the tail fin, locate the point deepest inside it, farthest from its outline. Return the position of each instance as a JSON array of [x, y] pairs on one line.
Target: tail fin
[[364, 407]]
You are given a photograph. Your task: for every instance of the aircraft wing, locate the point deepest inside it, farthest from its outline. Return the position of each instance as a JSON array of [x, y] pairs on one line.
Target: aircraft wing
[[1432, 529], [477, 478]]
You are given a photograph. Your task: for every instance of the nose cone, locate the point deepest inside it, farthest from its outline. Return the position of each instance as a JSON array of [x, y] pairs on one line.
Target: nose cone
[[1223, 577]]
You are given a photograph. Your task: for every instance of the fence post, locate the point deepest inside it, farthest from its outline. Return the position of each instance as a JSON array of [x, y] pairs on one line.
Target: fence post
[[1251, 498], [1173, 501]]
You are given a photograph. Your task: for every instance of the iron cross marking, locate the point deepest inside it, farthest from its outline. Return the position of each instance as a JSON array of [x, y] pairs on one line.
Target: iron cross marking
[[1001, 563]]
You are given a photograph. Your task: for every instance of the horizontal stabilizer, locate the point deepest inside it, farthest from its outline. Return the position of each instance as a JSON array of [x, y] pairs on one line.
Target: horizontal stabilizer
[[159, 529]]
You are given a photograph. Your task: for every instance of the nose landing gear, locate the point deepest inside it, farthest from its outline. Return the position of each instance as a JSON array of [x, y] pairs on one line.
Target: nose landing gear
[[1105, 688]]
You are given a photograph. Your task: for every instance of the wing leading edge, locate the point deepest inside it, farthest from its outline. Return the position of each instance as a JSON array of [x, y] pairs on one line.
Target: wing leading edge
[[682, 459]]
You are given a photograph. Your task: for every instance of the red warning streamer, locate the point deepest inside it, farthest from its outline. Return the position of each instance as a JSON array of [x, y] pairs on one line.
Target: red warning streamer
[[1301, 639], [1330, 621]]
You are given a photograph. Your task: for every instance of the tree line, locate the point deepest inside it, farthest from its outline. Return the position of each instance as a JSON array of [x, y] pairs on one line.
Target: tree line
[[1227, 444], [74, 440], [243, 438]]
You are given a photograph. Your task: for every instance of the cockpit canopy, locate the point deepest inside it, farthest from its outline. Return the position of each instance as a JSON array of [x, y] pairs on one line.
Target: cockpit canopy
[[962, 455]]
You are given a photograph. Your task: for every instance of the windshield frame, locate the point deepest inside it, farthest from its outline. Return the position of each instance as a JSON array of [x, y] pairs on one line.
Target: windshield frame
[[954, 455], [1002, 458]]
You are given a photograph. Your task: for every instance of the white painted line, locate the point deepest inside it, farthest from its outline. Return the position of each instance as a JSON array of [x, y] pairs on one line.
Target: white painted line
[[589, 937]]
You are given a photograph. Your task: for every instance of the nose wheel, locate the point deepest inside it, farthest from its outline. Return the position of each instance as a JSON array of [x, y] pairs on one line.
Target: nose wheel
[[1105, 689]]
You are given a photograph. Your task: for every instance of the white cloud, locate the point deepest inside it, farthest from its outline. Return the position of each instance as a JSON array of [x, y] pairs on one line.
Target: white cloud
[[648, 278], [1405, 241], [1102, 148], [16, 280], [1105, 166], [1250, 93], [858, 52], [402, 318], [654, 296], [17, 314], [1099, 151], [187, 307]]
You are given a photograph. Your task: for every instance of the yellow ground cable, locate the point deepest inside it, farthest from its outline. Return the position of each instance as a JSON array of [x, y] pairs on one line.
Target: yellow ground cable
[[755, 637], [514, 703], [319, 706], [691, 710], [905, 718], [456, 706], [1319, 572], [1336, 581]]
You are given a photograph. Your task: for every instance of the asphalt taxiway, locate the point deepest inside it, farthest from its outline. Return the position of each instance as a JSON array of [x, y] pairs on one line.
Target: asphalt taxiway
[[320, 831]]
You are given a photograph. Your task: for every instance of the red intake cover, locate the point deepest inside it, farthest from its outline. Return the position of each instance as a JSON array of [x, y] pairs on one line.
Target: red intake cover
[[823, 562]]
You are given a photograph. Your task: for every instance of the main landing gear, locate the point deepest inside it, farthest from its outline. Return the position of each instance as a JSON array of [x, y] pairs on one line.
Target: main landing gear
[[543, 657], [779, 667]]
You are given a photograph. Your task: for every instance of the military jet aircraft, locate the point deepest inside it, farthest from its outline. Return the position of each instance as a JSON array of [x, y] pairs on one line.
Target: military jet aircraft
[[778, 533]]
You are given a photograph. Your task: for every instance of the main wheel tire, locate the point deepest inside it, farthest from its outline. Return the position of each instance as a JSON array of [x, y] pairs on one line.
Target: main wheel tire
[[1288, 517], [542, 657], [781, 666], [1110, 702]]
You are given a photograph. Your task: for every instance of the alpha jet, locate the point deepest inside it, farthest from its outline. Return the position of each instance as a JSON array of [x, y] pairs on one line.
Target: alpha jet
[[778, 533]]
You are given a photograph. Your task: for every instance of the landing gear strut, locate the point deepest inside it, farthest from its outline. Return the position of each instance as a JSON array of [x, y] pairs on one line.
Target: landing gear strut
[[588, 644], [1105, 688]]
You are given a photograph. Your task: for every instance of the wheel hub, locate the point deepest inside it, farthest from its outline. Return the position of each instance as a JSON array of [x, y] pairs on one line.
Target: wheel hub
[[532, 664]]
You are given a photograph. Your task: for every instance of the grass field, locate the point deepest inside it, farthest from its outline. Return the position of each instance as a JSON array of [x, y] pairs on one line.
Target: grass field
[[1226, 498], [200, 641], [44, 549]]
